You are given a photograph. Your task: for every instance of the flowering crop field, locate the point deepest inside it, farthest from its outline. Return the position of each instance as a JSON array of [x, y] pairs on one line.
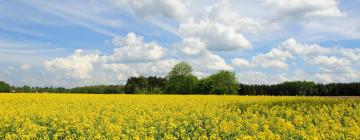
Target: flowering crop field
[[82, 116]]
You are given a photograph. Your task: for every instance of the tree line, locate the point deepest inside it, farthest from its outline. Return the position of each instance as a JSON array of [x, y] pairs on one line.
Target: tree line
[[180, 80], [99, 89], [302, 88]]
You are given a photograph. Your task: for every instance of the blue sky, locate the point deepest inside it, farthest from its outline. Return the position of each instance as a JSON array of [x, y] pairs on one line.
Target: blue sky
[[87, 42]]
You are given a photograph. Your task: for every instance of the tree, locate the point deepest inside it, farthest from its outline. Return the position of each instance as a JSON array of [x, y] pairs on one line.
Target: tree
[[131, 85], [156, 84], [141, 84], [224, 82], [181, 69], [204, 86], [4, 87], [180, 79]]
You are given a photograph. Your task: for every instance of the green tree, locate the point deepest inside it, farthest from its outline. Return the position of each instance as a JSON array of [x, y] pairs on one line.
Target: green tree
[[4, 87], [180, 79], [181, 69], [223, 82], [204, 86]]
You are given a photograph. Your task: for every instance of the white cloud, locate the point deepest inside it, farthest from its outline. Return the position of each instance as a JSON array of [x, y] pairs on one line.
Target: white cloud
[[132, 48], [346, 28], [276, 58], [323, 77], [216, 36], [239, 62], [206, 63], [331, 62], [278, 64], [79, 13], [310, 61], [25, 67], [131, 57], [351, 54], [151, 8], [117, 41], [211, 62], [223, 13], [124, 71], [220, 29], [193, 46], [11, 68], [78, 65], [12, 46], [303, 49], [252, 77], [304, 9], [274, 53]]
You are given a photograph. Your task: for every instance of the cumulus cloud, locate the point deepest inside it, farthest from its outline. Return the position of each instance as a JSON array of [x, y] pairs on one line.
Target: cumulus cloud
[[304, 9], [132, 48], [303, 49], [130, 57], [288, 50], [223, 13], [123, 71], [210, 62], [239, 62], [346, 28], [78, 65], [216, 36], [331, 62], [310, 61], [219, 32], [25, 67], [351, 54], [252, 77], [313, 62], [133, 57], [275, 64], [276, 58], [150, 8], [192, 46]]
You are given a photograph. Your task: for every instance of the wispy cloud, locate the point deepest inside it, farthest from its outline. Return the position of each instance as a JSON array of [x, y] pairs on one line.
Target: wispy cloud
[[25, 47], [78, 16], [21, 30], [165, 26]]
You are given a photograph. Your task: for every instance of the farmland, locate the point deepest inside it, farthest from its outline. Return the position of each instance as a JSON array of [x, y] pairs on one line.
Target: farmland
[[84, 116]]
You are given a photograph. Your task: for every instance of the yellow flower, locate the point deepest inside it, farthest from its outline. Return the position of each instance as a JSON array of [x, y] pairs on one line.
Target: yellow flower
[[81, 116]]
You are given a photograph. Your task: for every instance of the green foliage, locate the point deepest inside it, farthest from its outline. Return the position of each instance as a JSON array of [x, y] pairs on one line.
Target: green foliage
[[181, 84], [204, 86], [99, 89], [299, 87], [224, 82], [302, 88], [180, 79], [4, 87], [181, 69], [140, 85]]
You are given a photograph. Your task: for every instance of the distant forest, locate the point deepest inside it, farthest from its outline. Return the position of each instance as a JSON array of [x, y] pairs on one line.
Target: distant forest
[[180, 80]]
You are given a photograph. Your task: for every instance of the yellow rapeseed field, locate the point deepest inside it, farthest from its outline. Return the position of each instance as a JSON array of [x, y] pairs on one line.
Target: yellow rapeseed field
[[77, 116]]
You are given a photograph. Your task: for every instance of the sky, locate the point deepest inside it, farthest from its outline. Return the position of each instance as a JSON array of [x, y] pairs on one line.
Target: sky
[[91, 42]]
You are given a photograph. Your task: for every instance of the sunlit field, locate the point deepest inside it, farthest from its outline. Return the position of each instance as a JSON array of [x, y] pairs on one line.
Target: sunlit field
[[77, 116]]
